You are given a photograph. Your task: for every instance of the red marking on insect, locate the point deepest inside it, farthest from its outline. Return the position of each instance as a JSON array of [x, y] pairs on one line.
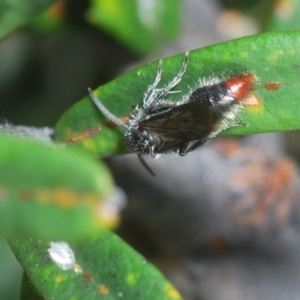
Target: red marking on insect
[[273, 86], [240, 86]]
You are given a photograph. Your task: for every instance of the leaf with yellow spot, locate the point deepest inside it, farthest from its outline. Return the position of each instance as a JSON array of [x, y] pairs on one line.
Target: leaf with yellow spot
[[273, 104], [171, 292], [131, 278], [52, 193], [105, 268], [60, 278]]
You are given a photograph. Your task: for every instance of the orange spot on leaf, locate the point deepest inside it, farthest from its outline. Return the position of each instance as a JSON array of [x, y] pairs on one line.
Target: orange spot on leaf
[[273, 86], [65, 198], [87, 276], [80, 136], [62, 197], [103, 290], [25, 195]]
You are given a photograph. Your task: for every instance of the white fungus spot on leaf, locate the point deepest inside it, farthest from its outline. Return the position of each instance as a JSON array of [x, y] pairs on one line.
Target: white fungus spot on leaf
[[62, 255]]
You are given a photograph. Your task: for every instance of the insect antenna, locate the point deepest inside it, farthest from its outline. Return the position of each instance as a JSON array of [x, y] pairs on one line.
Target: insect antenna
[[104, 110], [117, 121]]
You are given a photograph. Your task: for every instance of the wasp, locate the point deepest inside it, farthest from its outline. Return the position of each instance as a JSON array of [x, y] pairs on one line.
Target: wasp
[[162, 126]]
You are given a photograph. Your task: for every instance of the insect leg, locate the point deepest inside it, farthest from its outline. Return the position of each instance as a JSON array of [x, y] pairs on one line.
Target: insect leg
[[152, 88], [162, 93], [141, 159], [184, 150], [230, 123]]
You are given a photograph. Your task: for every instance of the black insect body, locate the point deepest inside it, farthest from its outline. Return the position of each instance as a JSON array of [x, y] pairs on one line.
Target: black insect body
[[172, 129], [162, 126]]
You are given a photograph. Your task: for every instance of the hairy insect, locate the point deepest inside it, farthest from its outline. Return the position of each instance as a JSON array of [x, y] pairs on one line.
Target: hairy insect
[[164, 126]]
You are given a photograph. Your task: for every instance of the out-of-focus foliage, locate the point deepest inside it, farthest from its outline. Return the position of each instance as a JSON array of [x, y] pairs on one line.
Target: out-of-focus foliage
[[142, 25], [14, 13], [56, 193]]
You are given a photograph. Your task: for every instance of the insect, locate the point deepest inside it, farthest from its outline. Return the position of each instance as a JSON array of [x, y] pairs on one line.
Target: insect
[[164, 126]]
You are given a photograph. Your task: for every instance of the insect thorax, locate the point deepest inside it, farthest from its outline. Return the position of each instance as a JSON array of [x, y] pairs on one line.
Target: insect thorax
[[217, 95], [137, 139]]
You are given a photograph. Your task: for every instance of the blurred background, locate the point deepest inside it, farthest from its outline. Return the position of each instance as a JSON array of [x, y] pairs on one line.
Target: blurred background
[[222, 223]]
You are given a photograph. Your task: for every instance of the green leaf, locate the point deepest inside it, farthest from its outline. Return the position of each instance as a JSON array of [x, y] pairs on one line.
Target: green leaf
[[105, 267], [51, 20], [11, 273], [28, 290], [272, 57], [51, 192], [15, 13], [141, 25]]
